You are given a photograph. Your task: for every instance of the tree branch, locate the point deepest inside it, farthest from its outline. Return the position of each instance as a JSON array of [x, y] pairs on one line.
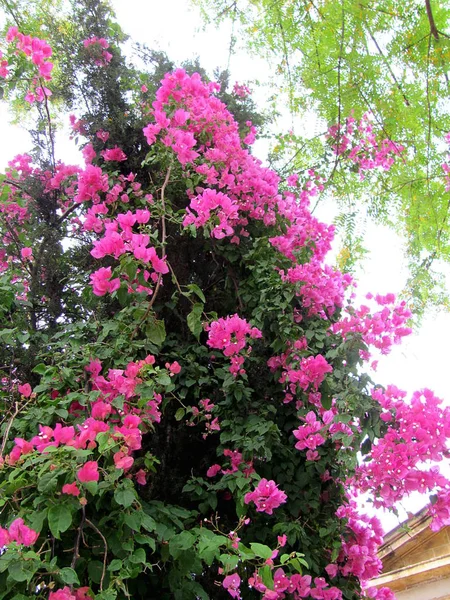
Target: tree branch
[[433, 29]]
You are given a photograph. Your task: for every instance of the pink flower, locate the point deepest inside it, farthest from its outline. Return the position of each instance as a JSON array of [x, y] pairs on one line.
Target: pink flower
[[114, 154], [122, 461], [213, 470], [71, 489], [141, 477], [25, 390], [102, 135], [89, 472], [5, 538], [266, 496], [102, 283], [332, 570], [26, 253], [174, 368], [64, 594], [231, 583], [20, 533]]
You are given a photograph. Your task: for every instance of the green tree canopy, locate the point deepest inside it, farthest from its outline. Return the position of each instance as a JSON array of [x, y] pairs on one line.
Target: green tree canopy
[[347, 58]]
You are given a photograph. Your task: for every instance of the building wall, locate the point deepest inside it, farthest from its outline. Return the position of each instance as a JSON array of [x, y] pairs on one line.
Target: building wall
[[433, 590]]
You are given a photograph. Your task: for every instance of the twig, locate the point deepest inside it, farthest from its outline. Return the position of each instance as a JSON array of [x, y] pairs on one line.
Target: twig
[[50, 129], [16, 412], [105, 554], [5, 437], [163, 245], [380, 51], [77, 542]]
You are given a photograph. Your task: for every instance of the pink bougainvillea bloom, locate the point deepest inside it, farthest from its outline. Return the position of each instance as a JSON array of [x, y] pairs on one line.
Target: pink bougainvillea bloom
[[266, 496], [114, 154], [5, 538], [332, 570], [122, 461], [20, 533], [89, 472], [102, 135], [83, 593], [26, 253], [64, 594], [141, 477], [174, 368], [71, 489], [213, 470], [25, 390], [101, 410], [101, 283], [231, 583]]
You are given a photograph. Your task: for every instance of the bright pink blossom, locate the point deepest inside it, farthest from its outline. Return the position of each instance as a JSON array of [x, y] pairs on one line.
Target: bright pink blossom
[[88, 472], [71, 489], [232, 583], [266, 496], [25, 390], [20, 533]]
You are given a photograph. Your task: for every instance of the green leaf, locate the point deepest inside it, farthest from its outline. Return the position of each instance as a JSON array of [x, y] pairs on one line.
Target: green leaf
[[124, 497], [95, 570], [180, 414], [194, 320], [91, 486], [59, 519], [230, 562], [115, 565], [69, 576], [47, 483], [266, 575], [138, 556], [261, 550], [133, 520], [156, 332], [21, 570], [194, 288]]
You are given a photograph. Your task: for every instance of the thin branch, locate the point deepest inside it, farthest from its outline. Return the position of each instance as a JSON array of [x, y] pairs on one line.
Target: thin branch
[[105, 553], [163, 245], [286, 59], [76, 555], [50, 128], [66, 214], [17, 410], [386, 62]]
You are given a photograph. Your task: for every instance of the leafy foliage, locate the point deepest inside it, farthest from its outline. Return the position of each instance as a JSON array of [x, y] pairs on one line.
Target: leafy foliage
[[182, 392], [388, 59]]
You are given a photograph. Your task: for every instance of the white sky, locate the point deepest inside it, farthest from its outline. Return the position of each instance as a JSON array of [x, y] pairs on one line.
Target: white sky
[[176, 27]]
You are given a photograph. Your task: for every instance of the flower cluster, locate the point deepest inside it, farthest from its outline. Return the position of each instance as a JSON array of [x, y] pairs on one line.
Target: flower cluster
[[381, 328], [297, 586], [231, 335], [123, 426], [39, 52], [300, 373], [266, 496], [98, 49], [357, 141], [18, 532], [358, 555], [417, 434]]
